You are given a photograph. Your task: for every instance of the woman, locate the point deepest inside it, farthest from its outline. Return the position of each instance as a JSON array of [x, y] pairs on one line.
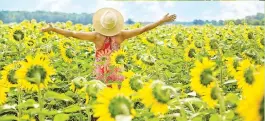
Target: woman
[[108, 35]]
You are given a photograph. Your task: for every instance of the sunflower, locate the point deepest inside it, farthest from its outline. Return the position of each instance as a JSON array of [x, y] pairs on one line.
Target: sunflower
[[148, 59], [118, 58], [149, 41], [250, 54], [137, 59], [156, 95], [245, 75], [16, 34], [78, 84], [232, 64], [211, 46], [111, 103], [3, 90], [8, 74], [67, 51], [251, 107], [202, 75], [261, 42], [92, 89], [34, 73], [210, 96], [132, 83], [30, 42], [190, 52]]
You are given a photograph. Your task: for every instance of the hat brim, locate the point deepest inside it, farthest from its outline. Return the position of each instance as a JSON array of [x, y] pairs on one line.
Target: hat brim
[[107, 32]]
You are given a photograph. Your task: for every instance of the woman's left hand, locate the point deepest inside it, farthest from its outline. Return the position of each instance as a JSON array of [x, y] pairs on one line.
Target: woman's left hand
[[169, 18]]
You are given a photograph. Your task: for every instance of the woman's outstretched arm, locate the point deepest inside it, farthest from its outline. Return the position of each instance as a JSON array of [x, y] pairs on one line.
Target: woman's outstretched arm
[[131, 33], [91, 36]]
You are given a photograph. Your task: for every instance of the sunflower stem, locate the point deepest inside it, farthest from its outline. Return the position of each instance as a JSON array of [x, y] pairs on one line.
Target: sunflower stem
[[79, 104], [19, 102], [221, 101], [41, 116], [88, 112]]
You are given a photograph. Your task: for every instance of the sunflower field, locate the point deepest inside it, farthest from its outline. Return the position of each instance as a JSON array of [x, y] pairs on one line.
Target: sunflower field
[[172, 73]]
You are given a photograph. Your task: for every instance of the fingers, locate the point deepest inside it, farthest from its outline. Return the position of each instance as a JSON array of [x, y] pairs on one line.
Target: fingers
[[173, 17], [167, 14]]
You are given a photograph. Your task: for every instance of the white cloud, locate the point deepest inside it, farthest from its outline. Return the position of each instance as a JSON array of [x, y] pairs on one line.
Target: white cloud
[[113, 4], [58, 5], [234, 10]]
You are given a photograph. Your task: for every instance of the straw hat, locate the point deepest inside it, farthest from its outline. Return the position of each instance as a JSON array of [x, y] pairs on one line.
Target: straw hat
[[108, 21]]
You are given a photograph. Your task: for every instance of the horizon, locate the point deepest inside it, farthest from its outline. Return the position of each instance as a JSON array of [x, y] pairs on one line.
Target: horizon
[[127, 18], [205, 10]]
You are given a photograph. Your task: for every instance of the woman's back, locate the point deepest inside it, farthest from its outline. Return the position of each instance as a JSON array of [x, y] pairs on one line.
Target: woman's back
[[103, 52]]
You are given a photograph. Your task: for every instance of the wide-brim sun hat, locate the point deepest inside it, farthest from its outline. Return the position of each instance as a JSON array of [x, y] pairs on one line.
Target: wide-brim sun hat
[[108, 21]]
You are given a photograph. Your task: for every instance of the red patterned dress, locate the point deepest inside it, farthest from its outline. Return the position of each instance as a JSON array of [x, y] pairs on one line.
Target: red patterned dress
[[103, 71]]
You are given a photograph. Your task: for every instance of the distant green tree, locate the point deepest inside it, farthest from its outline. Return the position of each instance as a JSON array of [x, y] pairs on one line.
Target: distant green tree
[[129, 21]]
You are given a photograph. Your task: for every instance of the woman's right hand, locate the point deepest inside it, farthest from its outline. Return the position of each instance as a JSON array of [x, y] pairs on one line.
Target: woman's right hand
[[47, 29]]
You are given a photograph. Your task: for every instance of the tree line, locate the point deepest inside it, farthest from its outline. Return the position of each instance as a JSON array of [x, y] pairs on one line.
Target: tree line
[[85, 18], [257, 19]]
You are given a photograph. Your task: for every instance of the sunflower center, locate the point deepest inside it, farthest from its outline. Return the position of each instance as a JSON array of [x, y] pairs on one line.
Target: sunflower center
[[198, 44], [250, 35], [119, 105], [70, 53], [44, 39], [235, 64], [261, 110], [179, 39], [120, 59], [192, 53], [136, 83], [249, 76], [11, 77], [36, 74], [30, 42], [18, 35], [214, 93], [213, 44], [206, 77], [163, 95], [150, 40]]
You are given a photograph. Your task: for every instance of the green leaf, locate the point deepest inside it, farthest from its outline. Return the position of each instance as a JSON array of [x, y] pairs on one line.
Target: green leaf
[[61, 117], [215, 117], [232, 98], [28, 103], [8, 118], [71, 109], [198, 118], [58, 96], [229, 115]]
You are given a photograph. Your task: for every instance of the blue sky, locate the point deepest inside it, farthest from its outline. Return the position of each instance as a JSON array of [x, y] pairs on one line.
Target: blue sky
[[143, 10]]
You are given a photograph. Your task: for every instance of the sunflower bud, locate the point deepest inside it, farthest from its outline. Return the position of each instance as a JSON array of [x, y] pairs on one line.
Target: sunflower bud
[[36, 74], [93, 87], [120, 105], [198, 44], [149, 60], [251, 53], [79, 82], [214, 44], [136, 83], [162, 92]]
